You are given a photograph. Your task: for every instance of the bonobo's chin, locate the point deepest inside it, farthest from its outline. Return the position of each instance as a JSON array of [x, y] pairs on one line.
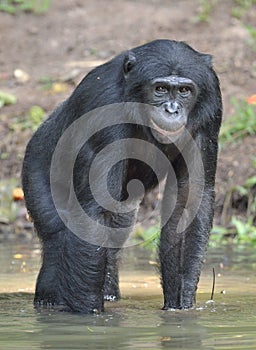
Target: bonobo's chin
[[166, 135]]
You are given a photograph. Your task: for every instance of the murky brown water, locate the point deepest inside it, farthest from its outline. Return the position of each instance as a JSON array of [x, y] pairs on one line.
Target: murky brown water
[[136, 322]]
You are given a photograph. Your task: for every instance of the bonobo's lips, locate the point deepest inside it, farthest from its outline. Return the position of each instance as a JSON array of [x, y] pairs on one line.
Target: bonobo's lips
[[168, 132]]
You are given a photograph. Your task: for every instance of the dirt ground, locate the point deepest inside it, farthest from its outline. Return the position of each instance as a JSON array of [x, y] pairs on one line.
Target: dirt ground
[[75, 35]]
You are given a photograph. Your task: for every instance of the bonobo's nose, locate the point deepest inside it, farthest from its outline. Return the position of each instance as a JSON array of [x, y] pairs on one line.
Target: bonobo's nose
[[171, 107]]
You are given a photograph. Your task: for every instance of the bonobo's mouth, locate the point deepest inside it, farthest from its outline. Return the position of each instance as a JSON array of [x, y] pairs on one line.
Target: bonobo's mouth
[[166, 133]]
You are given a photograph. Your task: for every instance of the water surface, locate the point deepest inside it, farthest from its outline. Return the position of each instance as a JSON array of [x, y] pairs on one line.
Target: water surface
[[137, 321]]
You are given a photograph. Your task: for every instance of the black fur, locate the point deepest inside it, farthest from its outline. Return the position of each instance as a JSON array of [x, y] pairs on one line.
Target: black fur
[[76, 274]]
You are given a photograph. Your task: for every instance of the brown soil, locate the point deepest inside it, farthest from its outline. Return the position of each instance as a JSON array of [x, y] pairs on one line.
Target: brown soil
[[75, 35]]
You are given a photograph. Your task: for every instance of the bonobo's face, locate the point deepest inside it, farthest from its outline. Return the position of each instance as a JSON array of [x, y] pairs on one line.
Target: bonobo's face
[[167, 77], [174, 98]]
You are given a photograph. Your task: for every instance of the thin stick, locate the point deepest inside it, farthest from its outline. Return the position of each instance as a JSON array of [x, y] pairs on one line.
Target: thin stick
[[213, 283]]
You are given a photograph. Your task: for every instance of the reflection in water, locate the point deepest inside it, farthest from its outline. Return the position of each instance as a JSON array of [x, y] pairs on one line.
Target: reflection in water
[[136, 322]]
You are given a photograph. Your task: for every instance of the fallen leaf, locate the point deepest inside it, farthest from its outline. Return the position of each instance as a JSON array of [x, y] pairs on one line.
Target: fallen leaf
[[251, 100], [18, 256], [58, 88], [17, 194]]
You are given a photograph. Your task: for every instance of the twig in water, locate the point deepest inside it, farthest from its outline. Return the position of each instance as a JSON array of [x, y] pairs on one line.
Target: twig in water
[[213, 282]]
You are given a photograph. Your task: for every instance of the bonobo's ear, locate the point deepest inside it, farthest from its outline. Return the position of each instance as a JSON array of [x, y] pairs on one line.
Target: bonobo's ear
[[207, 59], [129, 62]]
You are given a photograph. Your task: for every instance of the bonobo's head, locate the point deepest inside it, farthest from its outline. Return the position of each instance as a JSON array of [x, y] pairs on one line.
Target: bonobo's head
[[177, 81]]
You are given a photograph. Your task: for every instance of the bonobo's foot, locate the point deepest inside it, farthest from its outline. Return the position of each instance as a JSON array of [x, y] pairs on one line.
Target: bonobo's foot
[[61, 306], [71, 281], [45, 304], [166, 307], [88, 304], [185, 305], [49, 300]]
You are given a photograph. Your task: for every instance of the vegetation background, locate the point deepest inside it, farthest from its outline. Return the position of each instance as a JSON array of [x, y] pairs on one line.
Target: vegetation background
[[48, 46]]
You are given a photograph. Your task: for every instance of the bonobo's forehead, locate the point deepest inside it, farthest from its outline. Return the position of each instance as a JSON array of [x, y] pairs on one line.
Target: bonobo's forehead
[[166, 50], [162, 58], [173, 80]]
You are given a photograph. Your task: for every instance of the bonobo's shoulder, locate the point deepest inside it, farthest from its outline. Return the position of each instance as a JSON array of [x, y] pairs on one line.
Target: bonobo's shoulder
[[107, 72], [108, 67]]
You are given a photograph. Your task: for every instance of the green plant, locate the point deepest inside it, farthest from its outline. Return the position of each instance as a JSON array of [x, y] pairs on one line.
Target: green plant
[[36, 6], [241, 7], [205, 10], [32, 120], [242, 228], [46, 82], [149, 237], [246, 230], [242, 123], [240, 232], [7, 99], [8, 208], [252, 32]]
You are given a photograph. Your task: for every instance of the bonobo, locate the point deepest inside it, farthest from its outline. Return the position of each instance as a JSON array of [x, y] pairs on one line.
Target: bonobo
[[150, 113]]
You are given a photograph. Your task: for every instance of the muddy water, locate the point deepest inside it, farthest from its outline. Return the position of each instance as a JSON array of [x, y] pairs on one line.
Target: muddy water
[[136, 322]]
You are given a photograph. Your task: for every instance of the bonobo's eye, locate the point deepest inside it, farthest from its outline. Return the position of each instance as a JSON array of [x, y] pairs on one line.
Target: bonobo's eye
[[161, 89], [184, 90]]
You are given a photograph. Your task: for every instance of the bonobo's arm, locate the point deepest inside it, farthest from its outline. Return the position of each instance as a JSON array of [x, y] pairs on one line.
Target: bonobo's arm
[[182, 251]]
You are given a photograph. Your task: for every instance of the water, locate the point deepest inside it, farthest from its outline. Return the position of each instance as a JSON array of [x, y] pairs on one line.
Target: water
[[136, 322]]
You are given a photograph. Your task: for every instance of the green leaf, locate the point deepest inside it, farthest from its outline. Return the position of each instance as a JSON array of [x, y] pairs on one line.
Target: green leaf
[[7, 99], [251, 181], [240, 226]]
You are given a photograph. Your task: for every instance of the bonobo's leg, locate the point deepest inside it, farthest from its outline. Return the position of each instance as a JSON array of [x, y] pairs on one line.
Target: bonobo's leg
[[72, 274], [182, 246], [122, 225], [111, 285]]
